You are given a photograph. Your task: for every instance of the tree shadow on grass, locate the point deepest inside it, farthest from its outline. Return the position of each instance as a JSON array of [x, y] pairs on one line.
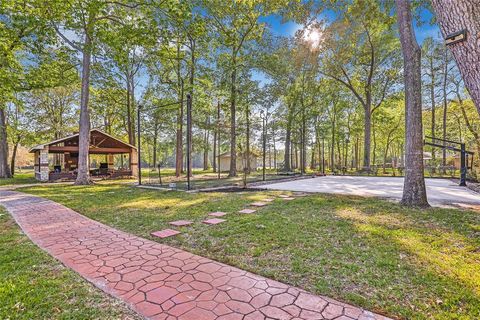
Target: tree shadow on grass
[[373, 253]]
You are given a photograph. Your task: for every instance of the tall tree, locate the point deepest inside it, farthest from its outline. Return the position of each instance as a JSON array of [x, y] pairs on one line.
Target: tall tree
[[432, 69], [89, 21], [20, 30], [236, 24], [367, 69], [454, 16], [414, 191]]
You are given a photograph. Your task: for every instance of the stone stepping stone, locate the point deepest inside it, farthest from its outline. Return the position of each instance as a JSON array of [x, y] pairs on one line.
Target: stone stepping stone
[[217, 214], [165, 233], [247, 211], [284, 196], [181, 223], [288, 198], [267, 200], [214, 221], [259, 204], [300, 194]]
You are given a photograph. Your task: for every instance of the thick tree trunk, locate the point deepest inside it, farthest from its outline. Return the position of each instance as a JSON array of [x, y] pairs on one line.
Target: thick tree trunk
[[414, 191], [4, 167], [367, 137], [455, 16], [14, 157], [83, 175]]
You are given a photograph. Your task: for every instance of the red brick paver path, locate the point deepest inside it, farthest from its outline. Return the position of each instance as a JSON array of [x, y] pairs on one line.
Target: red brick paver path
[[161, 282]]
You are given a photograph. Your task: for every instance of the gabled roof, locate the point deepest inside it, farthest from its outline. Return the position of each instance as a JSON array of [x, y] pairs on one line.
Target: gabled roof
[[41, 146]]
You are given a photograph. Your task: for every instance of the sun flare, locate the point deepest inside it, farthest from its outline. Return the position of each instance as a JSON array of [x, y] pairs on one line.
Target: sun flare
[[313, 37]]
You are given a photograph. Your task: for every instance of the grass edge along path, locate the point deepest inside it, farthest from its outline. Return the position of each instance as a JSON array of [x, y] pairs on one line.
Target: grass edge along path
[[406, 263], [33, 285]]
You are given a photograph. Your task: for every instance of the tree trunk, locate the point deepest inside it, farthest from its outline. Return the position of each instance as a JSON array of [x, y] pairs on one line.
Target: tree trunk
[[83, 175], [296, 155], [274, 149], [217, 141], [179, 138], [131, 139], [14, 156], [4, 168], [303, 151], [414, 191], [432, 98], [247, 115], [192, 88], [367, 137], [214, 162], [179, 134], [374, 144], [455, 16], [445, 107], [205, 149], [133, 106], [155, 141], [233, 136], [269, 155], [332, 152], [288, 136]]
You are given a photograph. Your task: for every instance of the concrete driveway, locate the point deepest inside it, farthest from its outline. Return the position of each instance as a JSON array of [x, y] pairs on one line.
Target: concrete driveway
[[440, 192]]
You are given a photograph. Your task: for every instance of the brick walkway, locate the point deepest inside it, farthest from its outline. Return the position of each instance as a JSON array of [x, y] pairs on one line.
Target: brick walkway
[[161, 282]]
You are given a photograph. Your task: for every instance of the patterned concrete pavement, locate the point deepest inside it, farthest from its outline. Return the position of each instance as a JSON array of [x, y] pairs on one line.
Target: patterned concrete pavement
[[161, 282]]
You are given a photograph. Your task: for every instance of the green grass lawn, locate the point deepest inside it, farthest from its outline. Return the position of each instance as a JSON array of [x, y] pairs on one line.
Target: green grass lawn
[[20, 177], [202, 179], [405, 263], [33, 285]]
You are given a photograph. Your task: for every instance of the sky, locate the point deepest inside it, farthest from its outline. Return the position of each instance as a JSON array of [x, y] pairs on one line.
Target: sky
[[423, 29]]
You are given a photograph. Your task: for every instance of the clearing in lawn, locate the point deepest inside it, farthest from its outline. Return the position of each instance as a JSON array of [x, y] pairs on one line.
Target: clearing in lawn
[[405, 263], [33, 285]]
